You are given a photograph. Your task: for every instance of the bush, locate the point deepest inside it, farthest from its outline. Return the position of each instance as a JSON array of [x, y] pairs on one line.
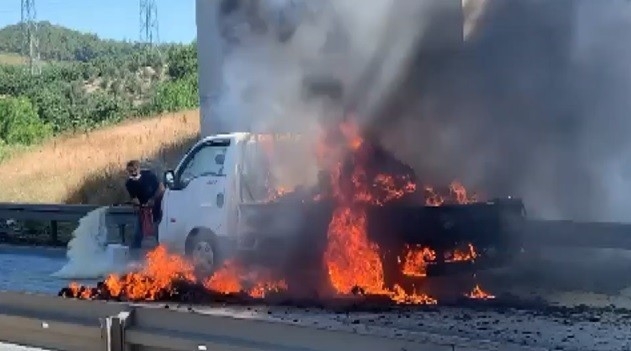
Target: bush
[[19, 123], [176, 95]]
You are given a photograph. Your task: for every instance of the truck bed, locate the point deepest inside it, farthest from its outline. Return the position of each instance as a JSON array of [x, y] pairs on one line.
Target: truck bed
[[299, 230]]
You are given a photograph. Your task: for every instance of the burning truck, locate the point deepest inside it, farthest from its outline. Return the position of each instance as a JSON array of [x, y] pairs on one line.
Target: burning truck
[[366, 228]]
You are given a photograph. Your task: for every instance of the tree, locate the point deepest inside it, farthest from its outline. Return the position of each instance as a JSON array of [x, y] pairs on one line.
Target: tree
[[182, 62]]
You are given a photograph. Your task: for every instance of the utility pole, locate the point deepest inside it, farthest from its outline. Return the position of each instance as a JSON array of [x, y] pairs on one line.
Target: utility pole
[[149, 33], [28, 22], [210, 56]]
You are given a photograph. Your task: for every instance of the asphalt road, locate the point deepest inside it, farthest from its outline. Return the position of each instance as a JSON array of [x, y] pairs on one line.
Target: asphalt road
[[30, 268]]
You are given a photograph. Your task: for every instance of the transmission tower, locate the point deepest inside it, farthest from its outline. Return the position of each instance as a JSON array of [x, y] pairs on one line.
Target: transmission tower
[[149, 23], [28, 22]]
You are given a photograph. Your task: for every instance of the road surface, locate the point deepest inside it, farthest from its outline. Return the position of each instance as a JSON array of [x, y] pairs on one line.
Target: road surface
[[30, 268]]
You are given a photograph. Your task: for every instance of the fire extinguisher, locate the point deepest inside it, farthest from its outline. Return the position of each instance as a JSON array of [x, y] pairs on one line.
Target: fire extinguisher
[[146, 220]]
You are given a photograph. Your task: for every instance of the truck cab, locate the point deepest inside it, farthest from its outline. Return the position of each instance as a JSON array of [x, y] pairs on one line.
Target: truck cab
[[201, 205]]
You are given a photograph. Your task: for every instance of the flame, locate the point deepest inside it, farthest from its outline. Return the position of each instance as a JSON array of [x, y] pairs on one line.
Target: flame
[[155, 278], [233, 278], [80, 291], [276, 193], [462, 255], [351, 259], [416, 261], [350, 131], [392, 188], [226, 280], [479, 294], [457, 194], [432, 198]]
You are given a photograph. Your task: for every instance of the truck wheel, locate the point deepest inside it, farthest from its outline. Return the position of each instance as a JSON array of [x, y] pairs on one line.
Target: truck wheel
[[202, 249]]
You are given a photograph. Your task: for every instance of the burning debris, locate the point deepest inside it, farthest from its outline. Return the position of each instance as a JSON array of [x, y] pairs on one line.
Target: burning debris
[[478, 293], [232, 284], [351, 262]]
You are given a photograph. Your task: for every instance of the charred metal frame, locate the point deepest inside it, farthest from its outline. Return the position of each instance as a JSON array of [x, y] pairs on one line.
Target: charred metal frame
[[298, 231]]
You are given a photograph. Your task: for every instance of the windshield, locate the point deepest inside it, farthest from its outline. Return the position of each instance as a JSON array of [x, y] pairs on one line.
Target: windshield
[[205, 161]]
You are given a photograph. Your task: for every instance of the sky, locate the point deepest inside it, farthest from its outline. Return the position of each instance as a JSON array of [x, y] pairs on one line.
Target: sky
[[111, 19]]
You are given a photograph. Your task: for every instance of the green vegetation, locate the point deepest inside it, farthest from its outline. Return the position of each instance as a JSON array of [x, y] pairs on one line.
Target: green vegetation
[[87, 82]]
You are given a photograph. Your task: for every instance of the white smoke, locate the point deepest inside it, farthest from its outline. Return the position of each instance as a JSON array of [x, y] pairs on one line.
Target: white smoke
[[264, 76], [87, 254]]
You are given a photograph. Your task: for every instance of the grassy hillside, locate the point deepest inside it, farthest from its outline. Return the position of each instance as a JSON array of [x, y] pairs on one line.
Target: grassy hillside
[[58, 43], [88, 167], [86, 84]]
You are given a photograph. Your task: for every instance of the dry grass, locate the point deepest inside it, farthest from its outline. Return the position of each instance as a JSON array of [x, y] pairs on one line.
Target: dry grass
[[89, 168], [12, 59]]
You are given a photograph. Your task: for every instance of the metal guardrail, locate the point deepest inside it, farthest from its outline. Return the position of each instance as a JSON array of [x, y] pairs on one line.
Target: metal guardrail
[[537, 232], [72, 325], [119, 216], [561, 233]]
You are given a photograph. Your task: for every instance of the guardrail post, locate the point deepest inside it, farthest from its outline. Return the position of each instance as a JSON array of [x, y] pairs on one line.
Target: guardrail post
[[113, 332], [54, 232]]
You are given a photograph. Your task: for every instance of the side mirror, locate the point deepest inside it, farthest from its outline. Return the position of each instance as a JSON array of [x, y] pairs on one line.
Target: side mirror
[[169, 179]]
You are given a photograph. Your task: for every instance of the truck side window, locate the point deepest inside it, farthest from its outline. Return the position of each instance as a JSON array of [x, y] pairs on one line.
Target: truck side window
[[206, 161], [254, 174]]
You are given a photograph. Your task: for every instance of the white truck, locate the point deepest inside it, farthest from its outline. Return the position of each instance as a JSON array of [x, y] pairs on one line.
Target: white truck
[[205, 205], [220, 201]]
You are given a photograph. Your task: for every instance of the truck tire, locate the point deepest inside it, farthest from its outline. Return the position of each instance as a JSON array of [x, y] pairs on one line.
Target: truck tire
[[202, 249]]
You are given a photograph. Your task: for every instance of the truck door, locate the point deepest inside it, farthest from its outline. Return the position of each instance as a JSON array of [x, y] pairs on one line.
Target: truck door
[[199, 196]]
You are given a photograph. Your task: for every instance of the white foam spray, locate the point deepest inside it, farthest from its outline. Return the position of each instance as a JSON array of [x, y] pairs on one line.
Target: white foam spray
[[87, 255]]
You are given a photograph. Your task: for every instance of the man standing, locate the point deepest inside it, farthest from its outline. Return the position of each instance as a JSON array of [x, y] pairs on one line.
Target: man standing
[[145, 189]]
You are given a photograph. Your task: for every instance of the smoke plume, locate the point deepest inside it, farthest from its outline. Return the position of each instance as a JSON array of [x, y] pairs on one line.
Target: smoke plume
[[534, 104], [272, 47]]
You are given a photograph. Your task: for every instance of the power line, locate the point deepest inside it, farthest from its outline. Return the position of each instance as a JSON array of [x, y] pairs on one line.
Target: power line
[[149, 28], [28, 21]]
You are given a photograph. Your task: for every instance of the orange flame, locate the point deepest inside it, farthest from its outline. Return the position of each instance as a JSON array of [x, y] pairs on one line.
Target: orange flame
[[233, 278], [479, 294], [462, 255], [157, 276], [416, 261], [351, 259], [457, 195]]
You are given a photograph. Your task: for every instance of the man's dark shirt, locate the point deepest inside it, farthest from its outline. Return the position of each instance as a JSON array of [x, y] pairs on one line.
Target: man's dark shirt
[[144, 188]]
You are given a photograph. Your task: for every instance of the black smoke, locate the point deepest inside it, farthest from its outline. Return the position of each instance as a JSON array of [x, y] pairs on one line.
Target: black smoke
[[535, 105]]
